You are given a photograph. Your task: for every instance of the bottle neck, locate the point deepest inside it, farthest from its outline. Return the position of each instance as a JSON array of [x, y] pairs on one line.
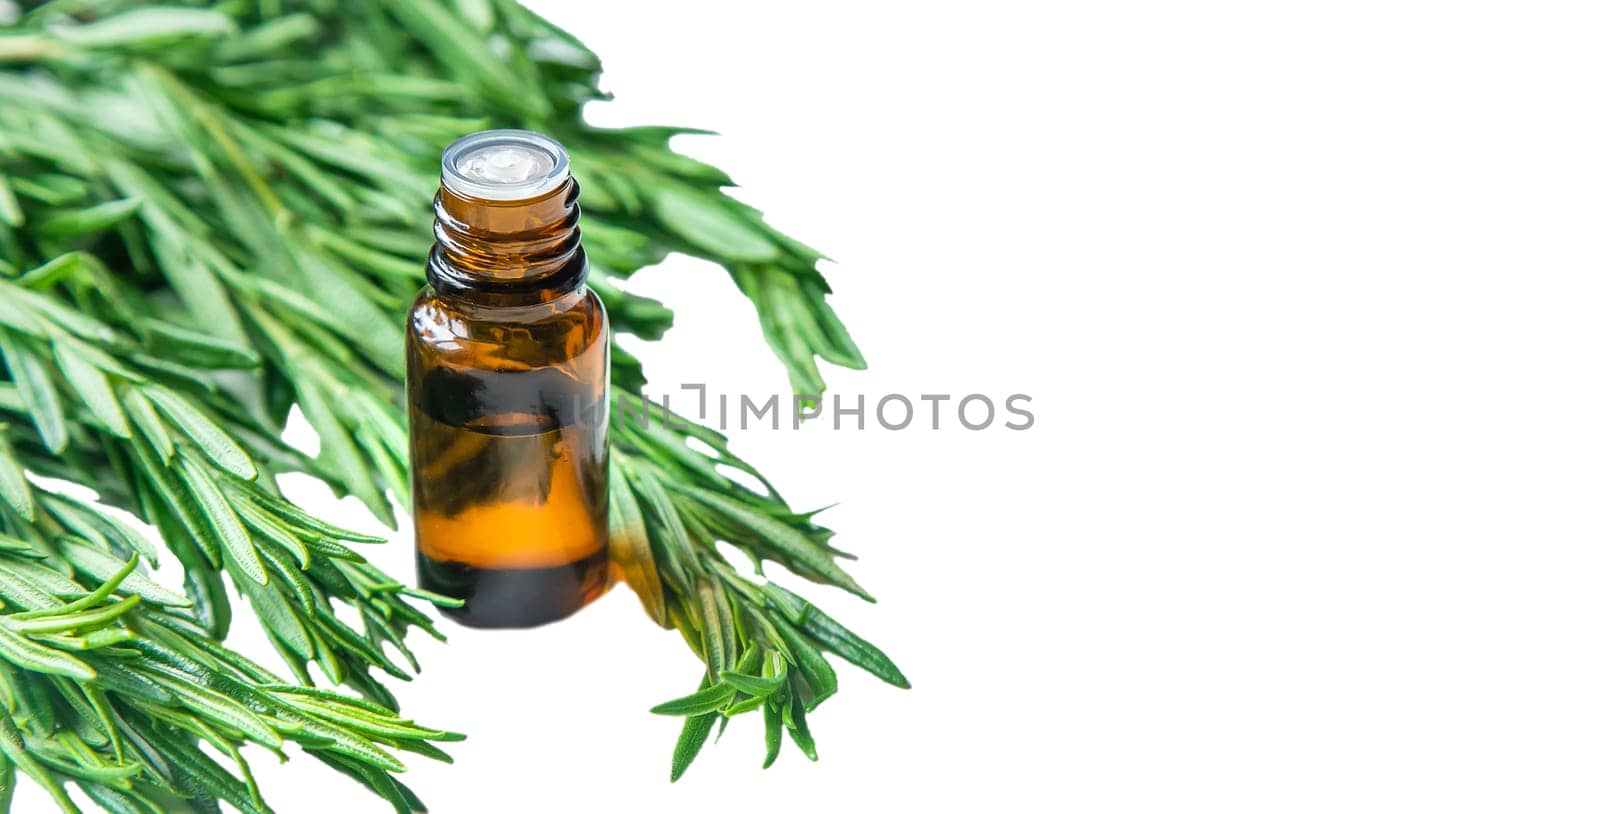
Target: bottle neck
[[507, 252]]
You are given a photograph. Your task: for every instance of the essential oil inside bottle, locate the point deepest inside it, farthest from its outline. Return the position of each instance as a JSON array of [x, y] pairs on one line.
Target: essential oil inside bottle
[[507, 363]]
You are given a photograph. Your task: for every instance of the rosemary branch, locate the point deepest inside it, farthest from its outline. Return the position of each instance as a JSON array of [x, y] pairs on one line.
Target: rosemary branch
[[111, 687], [209, 214]]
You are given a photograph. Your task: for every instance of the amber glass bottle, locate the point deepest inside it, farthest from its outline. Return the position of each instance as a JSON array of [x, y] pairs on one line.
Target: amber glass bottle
[[507, 361]]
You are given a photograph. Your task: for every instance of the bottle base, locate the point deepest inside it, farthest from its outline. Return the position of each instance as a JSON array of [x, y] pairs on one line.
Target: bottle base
[[514, 597]]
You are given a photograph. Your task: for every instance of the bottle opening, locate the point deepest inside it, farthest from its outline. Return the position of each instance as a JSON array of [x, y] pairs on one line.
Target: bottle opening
[[504, 165]]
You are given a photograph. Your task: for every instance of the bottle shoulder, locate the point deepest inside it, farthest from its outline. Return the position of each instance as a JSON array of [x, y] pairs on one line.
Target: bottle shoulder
[[538, 333], [430, 307]]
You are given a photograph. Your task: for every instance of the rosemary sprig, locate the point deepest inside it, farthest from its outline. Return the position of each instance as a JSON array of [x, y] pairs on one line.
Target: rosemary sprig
[[106, 682], [220, 211], [101, 417], [762, 645]]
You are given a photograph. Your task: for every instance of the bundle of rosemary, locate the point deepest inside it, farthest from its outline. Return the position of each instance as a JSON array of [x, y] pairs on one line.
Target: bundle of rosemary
[[210, 213]]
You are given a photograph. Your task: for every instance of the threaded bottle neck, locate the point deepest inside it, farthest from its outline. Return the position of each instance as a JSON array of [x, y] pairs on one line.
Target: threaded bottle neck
[[506, 219], [530, 247]]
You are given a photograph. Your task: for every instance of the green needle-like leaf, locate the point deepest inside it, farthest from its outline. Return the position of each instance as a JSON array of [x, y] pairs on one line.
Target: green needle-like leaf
[[708, 225], [30, 655], [710, 699], [14, 489], [32, 377], [695, 731], [236, 545], [212, 441], [92, 386]]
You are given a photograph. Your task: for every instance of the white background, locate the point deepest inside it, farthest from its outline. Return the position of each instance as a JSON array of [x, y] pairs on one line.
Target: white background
[[1304, 297]]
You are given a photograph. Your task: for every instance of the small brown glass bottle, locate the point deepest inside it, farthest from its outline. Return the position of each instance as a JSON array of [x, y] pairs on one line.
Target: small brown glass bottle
[[507, 362]]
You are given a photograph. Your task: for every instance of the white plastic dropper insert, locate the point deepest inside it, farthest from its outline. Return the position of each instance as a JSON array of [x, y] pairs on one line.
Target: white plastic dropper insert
[[504, 165]]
